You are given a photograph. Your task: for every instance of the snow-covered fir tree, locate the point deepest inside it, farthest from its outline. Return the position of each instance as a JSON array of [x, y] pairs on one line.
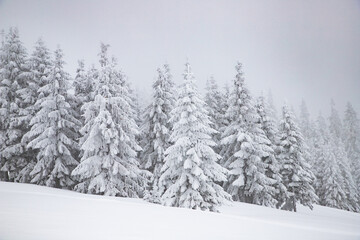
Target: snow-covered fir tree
[[352, 141], [214, 104], [272, 108], [137, 111], [53, 130], [14, 75], [109, 164], [156, 130], [335, 125], [304, 121], [245, 146], [83, 86], [40, 66], [191, 172], [295, 171], [268, 125], [306, 127], [349, 184], [225, 104], [328, 184], [336, 135]]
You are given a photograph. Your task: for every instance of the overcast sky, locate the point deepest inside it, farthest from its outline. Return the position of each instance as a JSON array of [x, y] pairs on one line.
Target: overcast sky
[[298, 49]]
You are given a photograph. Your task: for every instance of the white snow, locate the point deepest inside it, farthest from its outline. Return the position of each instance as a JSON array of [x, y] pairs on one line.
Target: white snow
[[36, 212]]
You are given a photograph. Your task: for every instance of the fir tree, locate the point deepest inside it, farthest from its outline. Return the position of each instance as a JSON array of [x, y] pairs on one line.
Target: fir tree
[[40, 68], [328, 175], [157, 131], [224, 106], [343, 161], [14, 75], [53, 130], [137, 111], [335, 126], [307, 131], [191, 171], [272, 108], [83, 86], [109, 165], [244, 148], [269, 127], [352, 142], [214, 105], [295, 171]]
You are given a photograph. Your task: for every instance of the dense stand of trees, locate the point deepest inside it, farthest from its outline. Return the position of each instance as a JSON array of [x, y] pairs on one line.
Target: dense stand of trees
[[88, 134]]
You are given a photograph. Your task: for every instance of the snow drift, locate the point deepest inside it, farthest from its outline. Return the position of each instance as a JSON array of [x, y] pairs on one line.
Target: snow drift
[[36, 212]]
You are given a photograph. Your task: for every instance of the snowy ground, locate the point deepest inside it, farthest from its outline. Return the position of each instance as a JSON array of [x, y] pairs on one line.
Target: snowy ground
[[35, 212]]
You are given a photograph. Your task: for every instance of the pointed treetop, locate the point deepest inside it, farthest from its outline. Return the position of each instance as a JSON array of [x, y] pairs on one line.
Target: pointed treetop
[[188, 75], [81, 64], [104, 60], [59, 62], [239, 71], [2, 33]]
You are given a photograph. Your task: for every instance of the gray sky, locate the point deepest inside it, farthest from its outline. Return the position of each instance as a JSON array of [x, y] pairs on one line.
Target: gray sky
[[298, 49]]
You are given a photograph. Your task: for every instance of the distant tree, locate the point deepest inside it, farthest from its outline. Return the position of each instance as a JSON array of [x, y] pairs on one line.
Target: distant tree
[[295, 171], [224, 120], [157, 130], [304, 121], [308, 132], [53, 130], [268, 125], [191, 171], [328, 175], [352, 142], [335, 126], [245, 146], [214, 105], [272, 108], [109, 164], [137, 111], [83, 86], [349, 184]]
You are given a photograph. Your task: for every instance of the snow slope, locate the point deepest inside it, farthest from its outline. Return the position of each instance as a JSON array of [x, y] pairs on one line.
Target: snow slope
[[35, 212]]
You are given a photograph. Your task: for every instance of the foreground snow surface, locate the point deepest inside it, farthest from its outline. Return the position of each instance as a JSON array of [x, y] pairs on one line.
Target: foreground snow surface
[[35, 212]]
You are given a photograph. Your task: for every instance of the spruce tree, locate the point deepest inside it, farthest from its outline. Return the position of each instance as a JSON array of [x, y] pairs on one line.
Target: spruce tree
[[295, 171], [157, 129], [304, 121], [190, 171], [352, 142], [14, 75], [214, 105], [328, 184], [244, 148], [272, 108], [349, 184], [40, 65], [335, 125], [53, 130], [268, 125], [109, 164], [83, 83], [83, 87], [307, 130], [224, 121]]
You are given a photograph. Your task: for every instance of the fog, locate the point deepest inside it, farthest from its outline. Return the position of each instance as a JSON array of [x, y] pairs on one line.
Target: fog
[[299, 49]]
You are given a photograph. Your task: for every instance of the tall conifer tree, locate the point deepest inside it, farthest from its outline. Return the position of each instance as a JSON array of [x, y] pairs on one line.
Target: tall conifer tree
[[191, 171]]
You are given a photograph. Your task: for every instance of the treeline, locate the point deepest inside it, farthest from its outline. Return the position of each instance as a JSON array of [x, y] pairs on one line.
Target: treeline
[[91, 134]]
